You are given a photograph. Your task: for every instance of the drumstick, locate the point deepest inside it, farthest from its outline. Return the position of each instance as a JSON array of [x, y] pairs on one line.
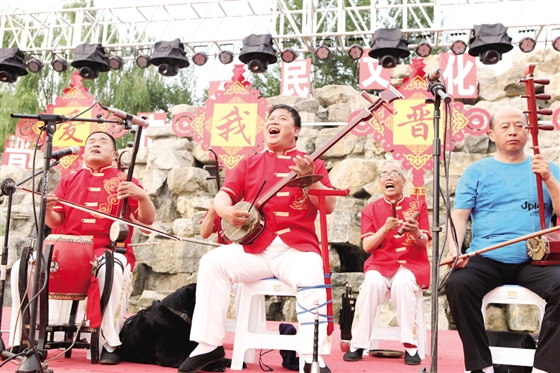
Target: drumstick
[[136, 225], [414, 217], [499, 245]]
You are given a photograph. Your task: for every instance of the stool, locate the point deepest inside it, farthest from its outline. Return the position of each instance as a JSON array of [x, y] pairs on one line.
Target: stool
[[513, 294], [250, 329], [392, 333]]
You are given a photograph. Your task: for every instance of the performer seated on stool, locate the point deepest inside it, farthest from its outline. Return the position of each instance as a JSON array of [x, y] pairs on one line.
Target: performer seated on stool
[[287, 248], [500, 196], [101, 187], [398, 263]]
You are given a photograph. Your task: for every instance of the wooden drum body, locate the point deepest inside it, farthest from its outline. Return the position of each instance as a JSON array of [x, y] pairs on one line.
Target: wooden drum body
[[544, 250], [71, 267]]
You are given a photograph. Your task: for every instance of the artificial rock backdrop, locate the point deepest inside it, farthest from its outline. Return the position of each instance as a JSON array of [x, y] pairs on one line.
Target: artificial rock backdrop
[[172, 173]]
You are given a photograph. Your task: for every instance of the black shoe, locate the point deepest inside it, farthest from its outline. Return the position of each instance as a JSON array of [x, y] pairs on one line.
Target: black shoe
[[109, 358], [353, 356], [412, 360], [196, 363], [307, 368]]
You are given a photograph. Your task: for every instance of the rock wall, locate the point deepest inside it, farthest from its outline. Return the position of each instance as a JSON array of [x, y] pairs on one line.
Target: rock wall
[[171, 172]]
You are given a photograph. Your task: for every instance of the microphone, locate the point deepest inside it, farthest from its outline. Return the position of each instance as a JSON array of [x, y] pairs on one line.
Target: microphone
[[434, 75], [63, 152], [124, 115]]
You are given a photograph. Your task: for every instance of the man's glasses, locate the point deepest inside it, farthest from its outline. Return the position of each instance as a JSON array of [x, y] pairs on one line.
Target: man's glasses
[[393, 174]]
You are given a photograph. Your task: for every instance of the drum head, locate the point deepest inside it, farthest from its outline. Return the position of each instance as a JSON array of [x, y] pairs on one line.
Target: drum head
[[386, 353]]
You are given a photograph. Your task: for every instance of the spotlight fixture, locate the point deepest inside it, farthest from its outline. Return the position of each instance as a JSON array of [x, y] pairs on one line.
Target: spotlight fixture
[[322, 52], [389, 47], [556, 44], [458, 47], [424, 49], [527, 44], [355, 52], [116, 62], [288, 55], [91, 60], [143, 61], [34, 65], [169, 56], [489, 41], [59, 64], [257, 52], [12, 64], [225, 57], [200, 58]]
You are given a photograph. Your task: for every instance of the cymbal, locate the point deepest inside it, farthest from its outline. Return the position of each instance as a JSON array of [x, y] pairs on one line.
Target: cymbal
[[304, 181], [386, 353]]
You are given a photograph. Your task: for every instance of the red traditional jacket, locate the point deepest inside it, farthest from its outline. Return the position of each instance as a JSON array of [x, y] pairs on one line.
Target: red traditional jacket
[[288, 214], [97, 191], [395, 251]]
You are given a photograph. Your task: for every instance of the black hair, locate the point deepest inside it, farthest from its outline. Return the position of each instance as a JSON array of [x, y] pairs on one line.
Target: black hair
[[108, 134], [293, 112]]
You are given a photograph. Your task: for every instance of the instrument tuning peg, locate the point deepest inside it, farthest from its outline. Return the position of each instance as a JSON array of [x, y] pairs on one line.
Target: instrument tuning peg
[[522, 81], [542, 81], [546, 127], [543, 96], [545, 111]]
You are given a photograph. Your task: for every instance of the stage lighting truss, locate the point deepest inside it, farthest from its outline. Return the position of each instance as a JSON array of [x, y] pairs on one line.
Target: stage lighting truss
[[458, 47], [225, 57], [34, 65], [59, 64], [355, 52], [288, 55], [322, 52], [424, 49], [116, 62]]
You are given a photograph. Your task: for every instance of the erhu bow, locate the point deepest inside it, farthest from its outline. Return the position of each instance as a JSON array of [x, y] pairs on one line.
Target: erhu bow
[[545, 249], [256, 223]]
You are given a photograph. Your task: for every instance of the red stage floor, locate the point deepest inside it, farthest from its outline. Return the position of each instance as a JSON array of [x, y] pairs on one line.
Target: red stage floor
[[450, 358]]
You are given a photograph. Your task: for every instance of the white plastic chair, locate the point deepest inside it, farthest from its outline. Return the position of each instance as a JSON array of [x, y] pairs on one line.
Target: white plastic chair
[[250, 329], [513, 294], [393, 333]]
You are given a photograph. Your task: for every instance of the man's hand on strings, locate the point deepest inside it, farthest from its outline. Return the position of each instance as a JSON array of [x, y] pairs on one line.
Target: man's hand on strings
[[128, 189], [540, 166], [236, 216], [303, 166]]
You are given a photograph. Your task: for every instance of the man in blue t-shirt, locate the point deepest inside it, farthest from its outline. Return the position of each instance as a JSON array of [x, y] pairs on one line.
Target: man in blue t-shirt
[[500, 196]]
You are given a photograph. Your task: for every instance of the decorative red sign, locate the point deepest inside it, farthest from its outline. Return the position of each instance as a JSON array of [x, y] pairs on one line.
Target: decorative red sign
[[372, 74], [296, 78], [459, 73]]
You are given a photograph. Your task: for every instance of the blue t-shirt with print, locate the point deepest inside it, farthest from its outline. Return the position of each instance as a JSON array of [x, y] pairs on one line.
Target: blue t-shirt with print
[[504, 205]]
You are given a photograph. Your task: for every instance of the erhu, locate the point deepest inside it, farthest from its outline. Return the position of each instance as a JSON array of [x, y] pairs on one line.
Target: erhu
[[545, 249]]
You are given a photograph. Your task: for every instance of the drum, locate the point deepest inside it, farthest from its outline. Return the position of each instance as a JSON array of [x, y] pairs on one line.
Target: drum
[[71, 266]]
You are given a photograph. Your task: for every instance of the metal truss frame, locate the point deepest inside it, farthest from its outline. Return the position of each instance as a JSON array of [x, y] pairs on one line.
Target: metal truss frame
[[215, 25]]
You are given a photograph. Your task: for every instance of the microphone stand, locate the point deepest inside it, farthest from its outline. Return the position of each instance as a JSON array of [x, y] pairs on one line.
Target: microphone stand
[[31, 362], [438, 91]]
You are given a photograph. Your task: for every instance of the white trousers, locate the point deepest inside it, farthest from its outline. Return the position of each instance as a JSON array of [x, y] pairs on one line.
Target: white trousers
[[59, 310], [222, 267], [403, 289]]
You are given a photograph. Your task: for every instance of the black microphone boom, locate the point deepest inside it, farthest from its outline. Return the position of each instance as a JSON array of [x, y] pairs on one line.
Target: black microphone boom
[[64, 152], [124, 115]]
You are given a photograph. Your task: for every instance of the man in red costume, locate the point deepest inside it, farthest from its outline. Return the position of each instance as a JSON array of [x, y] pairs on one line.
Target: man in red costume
[[287, 248], [398, 263], [100, 186]]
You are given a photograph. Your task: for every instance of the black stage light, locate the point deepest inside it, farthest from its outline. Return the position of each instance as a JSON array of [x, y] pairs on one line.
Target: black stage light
[[257, 52], [322, 52], [116, 62], [556, 44], [59, 64], [200, 58], [527, 44], [489, 42], [91, 60], [34, 65], [389, 47], [170, 56], [143, 61], [288, 55], [12, 64], [424, 49], [458, 47], [355, 52], [226, 57]]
